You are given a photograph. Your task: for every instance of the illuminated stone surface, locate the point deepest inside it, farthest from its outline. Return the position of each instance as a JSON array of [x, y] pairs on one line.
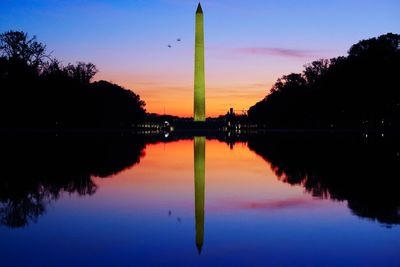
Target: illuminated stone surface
[[199, 76]]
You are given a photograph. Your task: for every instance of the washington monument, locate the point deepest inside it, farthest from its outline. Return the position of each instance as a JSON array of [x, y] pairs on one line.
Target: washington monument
[[199, 78]]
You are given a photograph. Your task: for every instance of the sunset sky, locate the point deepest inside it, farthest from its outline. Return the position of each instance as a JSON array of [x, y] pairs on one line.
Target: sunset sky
[[249, 44]]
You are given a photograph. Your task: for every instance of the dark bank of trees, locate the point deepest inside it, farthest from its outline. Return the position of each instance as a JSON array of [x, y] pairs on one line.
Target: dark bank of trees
[[37, 91], [359, 91]]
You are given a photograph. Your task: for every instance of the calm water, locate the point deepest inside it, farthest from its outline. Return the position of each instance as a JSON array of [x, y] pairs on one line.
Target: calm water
[[198, 202]]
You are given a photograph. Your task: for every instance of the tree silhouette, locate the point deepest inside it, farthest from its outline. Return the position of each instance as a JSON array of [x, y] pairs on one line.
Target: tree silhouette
[[16, 46], [82, 72], [360, 91], [38, 91]]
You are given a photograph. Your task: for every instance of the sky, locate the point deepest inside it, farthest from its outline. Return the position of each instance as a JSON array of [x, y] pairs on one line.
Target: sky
[[248, 44]]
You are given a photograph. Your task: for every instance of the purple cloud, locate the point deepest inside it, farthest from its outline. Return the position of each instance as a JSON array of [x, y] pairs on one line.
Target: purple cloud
[[269, 204], [278, 204], [273, 51]]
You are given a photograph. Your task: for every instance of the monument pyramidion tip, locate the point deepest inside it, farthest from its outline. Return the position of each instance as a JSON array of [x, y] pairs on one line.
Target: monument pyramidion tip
[[199, 9]]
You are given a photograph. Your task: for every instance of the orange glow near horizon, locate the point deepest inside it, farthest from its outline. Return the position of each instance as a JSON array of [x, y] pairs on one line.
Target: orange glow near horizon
[[234, 78], [174, 95]]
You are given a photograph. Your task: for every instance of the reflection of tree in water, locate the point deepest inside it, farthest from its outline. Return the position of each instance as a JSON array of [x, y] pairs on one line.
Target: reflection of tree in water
[[24, 198], [38, 170], [362, 170]]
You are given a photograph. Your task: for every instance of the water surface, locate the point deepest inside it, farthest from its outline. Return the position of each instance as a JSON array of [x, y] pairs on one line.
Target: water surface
[[197, 201]]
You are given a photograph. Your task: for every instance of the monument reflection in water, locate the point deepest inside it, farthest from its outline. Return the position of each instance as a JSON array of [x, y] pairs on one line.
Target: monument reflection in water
[[199, 188]]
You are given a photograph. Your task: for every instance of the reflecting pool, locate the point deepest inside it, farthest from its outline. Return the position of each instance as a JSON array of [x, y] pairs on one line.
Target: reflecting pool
[[257, 200]]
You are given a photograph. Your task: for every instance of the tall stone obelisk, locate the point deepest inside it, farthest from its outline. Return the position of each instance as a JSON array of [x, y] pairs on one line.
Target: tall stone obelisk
[[199, 77], [199, 187]]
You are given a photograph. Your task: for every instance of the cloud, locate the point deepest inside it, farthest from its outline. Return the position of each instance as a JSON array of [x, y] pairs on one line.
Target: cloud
[[229, 53], [280, 52], [278, 204], [270, 204]]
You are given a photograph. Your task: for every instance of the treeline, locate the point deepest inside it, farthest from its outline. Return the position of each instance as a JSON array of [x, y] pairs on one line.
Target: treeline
[[359, 91], [37, 91]]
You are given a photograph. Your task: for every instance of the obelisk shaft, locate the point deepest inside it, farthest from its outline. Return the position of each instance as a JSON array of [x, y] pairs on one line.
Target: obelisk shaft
[[199, 76]]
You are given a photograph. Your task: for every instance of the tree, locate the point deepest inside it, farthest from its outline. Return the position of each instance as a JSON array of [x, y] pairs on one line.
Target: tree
[[384, 44], [81, 72], [316, 70], [17, 46], [360, 91], [37, 91]]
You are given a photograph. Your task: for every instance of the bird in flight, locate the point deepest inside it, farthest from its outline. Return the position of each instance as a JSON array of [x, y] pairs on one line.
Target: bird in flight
[[169, 46], [179, 39]]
